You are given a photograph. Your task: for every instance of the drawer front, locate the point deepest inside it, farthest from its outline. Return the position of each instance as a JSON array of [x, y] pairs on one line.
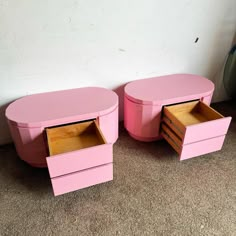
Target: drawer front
[[202, 147], [82, 179], [206, 130], [69, 162], [200, 124]]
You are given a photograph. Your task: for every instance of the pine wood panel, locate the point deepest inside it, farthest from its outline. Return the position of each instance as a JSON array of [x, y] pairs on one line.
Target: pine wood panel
[[74, 137]]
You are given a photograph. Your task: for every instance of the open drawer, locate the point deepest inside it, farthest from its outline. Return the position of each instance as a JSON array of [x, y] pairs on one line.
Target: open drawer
[[194, 126], [75, 149]]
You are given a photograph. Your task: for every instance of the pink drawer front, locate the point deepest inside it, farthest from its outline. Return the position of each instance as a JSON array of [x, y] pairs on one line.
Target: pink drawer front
[[202, 147], [79, 160], [76, 151], [82, 179]]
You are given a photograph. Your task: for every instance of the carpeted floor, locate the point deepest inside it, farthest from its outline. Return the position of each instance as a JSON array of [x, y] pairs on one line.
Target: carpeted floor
[[152, 193]]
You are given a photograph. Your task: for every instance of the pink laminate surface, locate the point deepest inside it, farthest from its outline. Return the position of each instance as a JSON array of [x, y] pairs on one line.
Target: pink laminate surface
[[142, 121], [69, 162], [60, 107], [168, 89], [109, 126], [82, 179]]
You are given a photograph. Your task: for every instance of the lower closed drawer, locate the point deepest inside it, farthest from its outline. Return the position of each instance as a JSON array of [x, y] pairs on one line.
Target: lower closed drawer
[[202, 147], [75, 148], [82, 179]]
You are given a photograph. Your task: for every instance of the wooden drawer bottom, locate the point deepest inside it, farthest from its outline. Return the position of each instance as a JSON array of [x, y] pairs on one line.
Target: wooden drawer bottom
[[82, 179]]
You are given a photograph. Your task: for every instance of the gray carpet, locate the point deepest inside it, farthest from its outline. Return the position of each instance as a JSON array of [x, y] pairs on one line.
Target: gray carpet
[[152, 193]]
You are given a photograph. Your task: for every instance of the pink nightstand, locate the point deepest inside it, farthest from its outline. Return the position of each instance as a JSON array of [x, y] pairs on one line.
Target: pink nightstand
[[175, 107], [71, 132]]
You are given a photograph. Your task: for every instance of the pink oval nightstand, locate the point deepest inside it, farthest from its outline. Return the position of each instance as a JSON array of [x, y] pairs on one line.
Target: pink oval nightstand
[[146, 99], [77, 126]]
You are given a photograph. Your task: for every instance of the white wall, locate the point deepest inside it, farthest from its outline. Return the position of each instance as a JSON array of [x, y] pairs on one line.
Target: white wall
[[59, 44]]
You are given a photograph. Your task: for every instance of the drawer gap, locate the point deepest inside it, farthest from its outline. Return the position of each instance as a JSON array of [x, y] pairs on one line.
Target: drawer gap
[[177, 103], [71, 123]]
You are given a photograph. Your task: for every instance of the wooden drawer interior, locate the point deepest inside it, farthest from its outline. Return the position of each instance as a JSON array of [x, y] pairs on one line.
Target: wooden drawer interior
[[74, 137], [182, 115]]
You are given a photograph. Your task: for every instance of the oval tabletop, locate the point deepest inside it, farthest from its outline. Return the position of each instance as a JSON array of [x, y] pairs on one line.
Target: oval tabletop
[[160, 90], [62, 106]]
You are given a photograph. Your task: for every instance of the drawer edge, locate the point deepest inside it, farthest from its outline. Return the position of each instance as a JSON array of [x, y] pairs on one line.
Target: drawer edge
[[173, 127], [172, 143]]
